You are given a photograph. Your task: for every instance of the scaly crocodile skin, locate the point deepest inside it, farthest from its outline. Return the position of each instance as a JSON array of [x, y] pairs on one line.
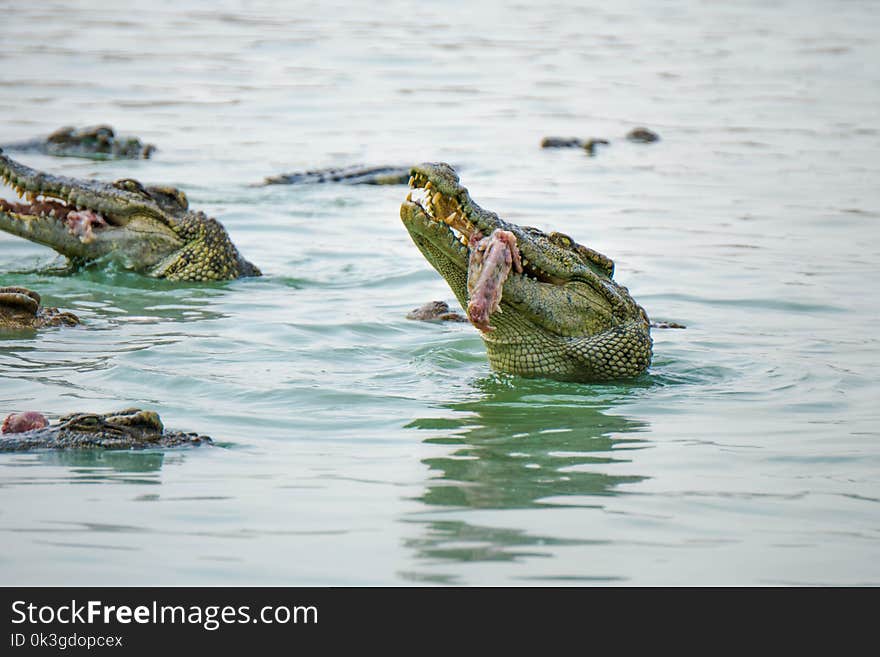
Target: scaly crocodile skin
[[146, 229], [131, 428], [564, 317]]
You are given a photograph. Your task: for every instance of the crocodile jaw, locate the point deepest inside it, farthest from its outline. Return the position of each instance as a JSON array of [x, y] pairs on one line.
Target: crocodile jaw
[[562, 317], [140, 244], [441, 219], [84, 220]]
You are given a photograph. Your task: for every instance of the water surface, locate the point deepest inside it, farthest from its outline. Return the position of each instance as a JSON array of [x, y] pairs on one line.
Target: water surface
[[357, 447]]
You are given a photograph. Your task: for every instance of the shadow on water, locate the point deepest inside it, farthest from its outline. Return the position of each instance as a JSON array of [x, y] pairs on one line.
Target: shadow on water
[[95, 466], [122, 461], [520, 445]]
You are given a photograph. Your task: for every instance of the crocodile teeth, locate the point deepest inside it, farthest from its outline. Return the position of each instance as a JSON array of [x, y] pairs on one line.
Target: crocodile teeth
[[429, 185], [409, 196], [412, 181]]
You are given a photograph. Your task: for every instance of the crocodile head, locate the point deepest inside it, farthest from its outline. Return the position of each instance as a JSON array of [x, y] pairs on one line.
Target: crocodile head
[[99, 141], [147, 229], [20, 309], [561, 317], [131, 428]]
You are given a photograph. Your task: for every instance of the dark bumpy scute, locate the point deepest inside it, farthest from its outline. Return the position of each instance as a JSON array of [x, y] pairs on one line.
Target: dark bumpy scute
[[561, 317], [637, 135], [98, 142], [642, 136], [150, 230], [356, 175], [131, 428], [20, 309], [588, 145], [435, 311]]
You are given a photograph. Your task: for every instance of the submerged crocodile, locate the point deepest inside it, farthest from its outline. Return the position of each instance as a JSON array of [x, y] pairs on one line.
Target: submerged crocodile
[[146, 229], [559, 316], [642, 136], [131, 428], [356, 175], [588, 145], [20, 309], [98, 142], [637, 135], [435, 311]]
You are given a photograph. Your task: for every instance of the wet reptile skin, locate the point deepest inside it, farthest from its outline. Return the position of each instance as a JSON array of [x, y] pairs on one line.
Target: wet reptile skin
[[563, 318], [98, 142], [20, 309], [150, 230], [131, 428]]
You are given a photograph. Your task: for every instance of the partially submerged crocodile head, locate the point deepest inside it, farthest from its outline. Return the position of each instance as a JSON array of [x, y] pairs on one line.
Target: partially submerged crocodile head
[[98, 142], [20, 309], [354, 175], [147, 229], [131, 428], [562, 317]]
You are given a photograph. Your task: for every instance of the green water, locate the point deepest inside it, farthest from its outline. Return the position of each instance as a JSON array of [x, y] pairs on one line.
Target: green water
[[356, 447]]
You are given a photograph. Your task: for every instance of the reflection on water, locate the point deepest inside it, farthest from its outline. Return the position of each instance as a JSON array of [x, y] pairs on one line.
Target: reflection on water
[[519, 448], [90, 466], [96, 464], [452, 540], [521, 444]]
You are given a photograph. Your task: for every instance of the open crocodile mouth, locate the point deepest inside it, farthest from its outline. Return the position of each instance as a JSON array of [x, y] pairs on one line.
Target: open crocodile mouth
[[440, 208], [492, 253], [464, 228], [80, 220]]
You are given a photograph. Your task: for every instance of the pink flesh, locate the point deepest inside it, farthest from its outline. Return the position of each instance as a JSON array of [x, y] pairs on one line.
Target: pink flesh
[[80, 223], [488, 267], [20, 422]]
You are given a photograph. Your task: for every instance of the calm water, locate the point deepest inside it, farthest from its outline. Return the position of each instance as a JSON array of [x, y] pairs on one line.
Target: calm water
[[362, 448]]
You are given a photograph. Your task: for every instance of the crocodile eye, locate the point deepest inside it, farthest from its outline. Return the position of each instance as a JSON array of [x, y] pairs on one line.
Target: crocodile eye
[[130, 185], [89, 422], [561, 239]]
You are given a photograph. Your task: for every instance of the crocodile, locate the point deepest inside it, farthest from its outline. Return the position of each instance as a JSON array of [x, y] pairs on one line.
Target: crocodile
[[562, 317], [642, 136], [150, 230], [131, 428], [588, 145], [20, 309], [354, 175], [637, 135], [99, 142], [435, 311]]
